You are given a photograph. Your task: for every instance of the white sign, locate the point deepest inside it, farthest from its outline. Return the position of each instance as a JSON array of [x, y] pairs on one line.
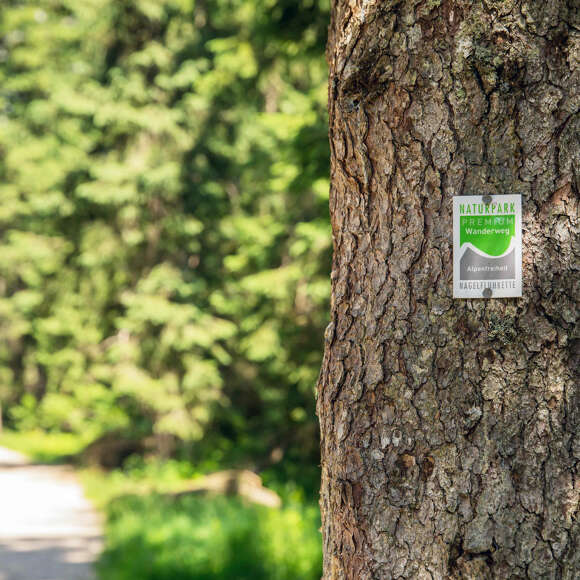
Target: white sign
[[487, 246]]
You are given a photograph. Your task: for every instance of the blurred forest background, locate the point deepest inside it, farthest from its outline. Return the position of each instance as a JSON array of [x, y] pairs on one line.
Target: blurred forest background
[[164, 267]]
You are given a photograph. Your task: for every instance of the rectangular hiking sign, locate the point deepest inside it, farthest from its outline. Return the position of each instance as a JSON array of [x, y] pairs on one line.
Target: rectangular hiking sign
[[487, 246]]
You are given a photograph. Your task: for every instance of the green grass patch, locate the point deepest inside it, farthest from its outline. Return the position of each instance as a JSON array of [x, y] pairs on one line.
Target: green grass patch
[[43, 447], [153, 536], [159, 538]]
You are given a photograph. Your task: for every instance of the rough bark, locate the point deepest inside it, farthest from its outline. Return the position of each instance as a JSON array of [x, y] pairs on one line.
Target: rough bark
[[449, 427]]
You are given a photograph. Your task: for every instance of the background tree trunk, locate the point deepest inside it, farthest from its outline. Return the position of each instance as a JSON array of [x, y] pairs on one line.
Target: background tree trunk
[[450, 427]]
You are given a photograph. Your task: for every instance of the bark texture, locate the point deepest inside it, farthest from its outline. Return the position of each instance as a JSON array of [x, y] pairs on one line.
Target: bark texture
[[449, 428]]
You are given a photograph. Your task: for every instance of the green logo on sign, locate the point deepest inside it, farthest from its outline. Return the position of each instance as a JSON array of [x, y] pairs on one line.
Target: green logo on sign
[[489, 234]]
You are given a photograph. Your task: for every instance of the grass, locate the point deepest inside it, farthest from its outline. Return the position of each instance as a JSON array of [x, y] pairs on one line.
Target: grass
[[153, 536], [43, 447], [157, 538]]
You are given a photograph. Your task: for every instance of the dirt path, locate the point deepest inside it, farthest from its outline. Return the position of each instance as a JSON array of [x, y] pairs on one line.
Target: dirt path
[[48, 530]]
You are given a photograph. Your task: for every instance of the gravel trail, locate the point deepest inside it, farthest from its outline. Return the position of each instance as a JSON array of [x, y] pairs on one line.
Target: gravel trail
[[48, 530]]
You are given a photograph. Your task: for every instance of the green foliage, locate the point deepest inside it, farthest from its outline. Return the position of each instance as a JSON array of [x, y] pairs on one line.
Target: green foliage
[[153, 536], [165, 245], [156, 538], [43, 447]]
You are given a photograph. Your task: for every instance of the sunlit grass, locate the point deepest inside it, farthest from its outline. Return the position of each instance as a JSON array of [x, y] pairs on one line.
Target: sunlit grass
[[42, 446], [156, 536]]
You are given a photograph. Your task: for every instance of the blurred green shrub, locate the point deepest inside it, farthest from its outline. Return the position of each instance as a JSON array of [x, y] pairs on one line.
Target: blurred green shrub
[[155, 538], [154, 535]]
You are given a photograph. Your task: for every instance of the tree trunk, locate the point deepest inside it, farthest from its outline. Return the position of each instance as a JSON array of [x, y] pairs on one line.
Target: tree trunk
[[450, 427]]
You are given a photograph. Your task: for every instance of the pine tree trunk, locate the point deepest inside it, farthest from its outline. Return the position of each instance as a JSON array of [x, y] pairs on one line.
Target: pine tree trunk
[[450, 427]]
